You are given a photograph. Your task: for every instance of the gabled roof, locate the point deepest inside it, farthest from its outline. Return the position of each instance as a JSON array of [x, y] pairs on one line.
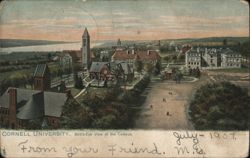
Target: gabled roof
[[33, 104], [126, 68], [53, 103], [97, 66], [228, 51], [74, 53], [33, 109], [40, 70], [141, 55]]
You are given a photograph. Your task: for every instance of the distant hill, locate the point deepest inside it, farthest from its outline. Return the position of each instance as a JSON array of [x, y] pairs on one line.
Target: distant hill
[[5, 43], [207, 40], [194, 41]]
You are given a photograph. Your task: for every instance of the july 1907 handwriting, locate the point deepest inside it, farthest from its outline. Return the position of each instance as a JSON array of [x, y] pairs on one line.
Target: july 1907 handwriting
[[186, 143]]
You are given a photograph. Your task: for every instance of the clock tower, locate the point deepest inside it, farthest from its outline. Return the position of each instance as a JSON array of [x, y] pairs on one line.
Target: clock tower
[[86, 60]]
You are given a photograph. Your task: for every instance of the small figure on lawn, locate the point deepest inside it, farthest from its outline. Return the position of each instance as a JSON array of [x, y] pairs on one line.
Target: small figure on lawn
[[164, 99]]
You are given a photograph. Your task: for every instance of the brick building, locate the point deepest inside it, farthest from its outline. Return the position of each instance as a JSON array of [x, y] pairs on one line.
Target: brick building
[[26, 108], [129, 56]]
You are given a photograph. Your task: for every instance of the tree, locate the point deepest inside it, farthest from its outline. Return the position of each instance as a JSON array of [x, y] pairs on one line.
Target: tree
[[220, 106], [49, 56], [138, 65], [157, 69], [78, 82], [225, 42], [74, 115], [148, 67]]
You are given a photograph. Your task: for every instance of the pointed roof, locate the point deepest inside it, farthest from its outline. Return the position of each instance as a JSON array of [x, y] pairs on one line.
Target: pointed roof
[[86, 33], [40, 69], [32, 104], [97, 66]]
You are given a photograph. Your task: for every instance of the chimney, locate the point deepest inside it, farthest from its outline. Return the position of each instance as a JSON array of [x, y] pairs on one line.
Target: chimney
[[127, 51], [12, 106], [198, 49], [148, 52], [133, 51]]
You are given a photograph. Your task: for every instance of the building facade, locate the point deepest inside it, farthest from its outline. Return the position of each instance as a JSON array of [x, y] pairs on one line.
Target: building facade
[[129, 56], [230, 59], [65, 61], [193, 58], [42, 77], [212, 58]]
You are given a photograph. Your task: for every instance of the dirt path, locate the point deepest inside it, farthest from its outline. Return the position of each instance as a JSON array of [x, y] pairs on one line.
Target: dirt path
[[155, 116]]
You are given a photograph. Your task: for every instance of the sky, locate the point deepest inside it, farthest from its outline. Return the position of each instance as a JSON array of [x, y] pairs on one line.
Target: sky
[[64, 20]]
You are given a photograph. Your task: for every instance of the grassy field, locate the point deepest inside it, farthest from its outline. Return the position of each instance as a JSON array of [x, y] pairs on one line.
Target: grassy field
[[74, 91], [233, 70], [13, 74]]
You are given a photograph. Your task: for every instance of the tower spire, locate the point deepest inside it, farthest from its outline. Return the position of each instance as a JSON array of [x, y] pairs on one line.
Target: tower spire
[[86, 33], [86, 59]]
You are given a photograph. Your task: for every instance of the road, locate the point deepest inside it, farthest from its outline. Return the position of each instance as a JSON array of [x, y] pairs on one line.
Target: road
[[155, 116], [85, 88]]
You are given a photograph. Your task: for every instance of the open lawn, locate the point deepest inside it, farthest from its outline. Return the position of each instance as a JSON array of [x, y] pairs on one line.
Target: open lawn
[[233, 70], [166, 106]]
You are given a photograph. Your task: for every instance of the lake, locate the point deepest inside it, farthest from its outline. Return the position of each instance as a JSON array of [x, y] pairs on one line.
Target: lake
[[45, 48]]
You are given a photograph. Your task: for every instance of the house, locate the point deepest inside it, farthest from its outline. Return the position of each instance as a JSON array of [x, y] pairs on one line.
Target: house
[[42, 77], [193, 58], [122, 71], [76, 55], [230, 59], [104, 56], [99, 70], [129, 56], [65, 61], [127, 71], [212, 58], [185, 48], [20, 107]]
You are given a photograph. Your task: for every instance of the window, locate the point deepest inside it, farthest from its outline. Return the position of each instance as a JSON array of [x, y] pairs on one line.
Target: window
[[84, 42]]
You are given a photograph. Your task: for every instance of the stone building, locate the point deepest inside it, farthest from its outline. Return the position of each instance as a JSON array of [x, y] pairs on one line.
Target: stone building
[[230, 59], [86, 57], [26, 108], [129, 56], [212, 58]]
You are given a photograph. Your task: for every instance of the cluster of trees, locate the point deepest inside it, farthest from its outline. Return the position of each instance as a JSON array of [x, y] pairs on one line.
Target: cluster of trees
[[167, 47], [23, 62], [14, 68], [57, 71], [96, 111], [19, 79], [194, 72], [220, 106], [78, 81], [174, 57], [103, 109], [148, 67]]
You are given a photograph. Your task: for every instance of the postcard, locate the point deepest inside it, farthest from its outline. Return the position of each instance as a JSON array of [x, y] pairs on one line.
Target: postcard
[[124, 78]]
